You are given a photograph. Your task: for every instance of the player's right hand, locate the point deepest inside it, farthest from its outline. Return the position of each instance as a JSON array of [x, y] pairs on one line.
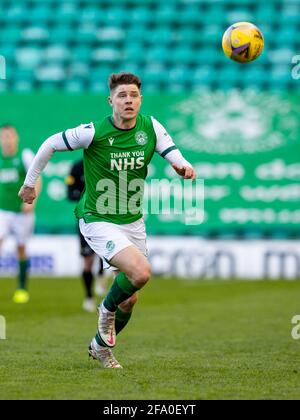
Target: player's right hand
[[27, 194]]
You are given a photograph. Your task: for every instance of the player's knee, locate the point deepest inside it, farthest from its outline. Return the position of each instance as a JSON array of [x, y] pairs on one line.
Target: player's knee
[[142, 275]]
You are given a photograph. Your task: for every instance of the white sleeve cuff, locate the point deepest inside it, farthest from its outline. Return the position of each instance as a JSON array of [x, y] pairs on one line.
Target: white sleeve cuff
[[175, 157]]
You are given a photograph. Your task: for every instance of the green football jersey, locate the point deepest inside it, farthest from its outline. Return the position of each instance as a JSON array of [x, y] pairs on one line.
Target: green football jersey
[[12, 173], [115, 166]]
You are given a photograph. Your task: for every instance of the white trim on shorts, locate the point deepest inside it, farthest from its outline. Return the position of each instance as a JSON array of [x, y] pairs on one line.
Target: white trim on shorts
[[107, 239]]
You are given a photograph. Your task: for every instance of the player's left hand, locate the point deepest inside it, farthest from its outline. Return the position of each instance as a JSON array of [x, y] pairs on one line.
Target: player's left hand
[[27, 194], [186, 172]]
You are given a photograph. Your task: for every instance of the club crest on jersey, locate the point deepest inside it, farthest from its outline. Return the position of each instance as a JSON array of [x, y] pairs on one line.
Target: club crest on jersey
[[141, 138], [111, 140]]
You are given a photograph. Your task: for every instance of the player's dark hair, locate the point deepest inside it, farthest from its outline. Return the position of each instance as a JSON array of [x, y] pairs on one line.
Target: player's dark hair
[[7, 126], [123, 78]]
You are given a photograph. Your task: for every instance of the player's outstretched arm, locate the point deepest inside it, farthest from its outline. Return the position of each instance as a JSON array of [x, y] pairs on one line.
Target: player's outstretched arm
[[77, 138], [168, 150]]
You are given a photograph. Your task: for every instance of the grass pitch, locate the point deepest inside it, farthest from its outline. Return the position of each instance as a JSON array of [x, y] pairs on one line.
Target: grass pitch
[[186, 340]]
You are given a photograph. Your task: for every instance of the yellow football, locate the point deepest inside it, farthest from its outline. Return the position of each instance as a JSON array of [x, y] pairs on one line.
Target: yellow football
[[243, 42]]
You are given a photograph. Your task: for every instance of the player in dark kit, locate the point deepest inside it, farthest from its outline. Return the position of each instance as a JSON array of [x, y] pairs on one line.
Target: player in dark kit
[[75, 187]]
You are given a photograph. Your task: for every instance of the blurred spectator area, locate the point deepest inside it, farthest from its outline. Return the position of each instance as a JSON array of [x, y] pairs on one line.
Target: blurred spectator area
[[173, 45]]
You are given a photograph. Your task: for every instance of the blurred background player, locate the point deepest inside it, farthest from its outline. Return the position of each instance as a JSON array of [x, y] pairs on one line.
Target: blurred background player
[[75, 183], [16, 218]]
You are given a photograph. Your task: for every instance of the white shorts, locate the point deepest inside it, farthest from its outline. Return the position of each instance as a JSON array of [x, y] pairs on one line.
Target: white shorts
[[107, 239], [18, 224]]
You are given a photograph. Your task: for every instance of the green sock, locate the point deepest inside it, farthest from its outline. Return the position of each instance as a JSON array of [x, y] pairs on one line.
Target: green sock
[[122, 319], [23, 271], [120, 290]]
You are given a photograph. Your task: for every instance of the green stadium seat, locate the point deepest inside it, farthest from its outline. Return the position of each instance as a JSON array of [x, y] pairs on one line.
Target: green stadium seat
[[162, 35], [57, 53], [8, 51], [191, 14], [188, 34], [246, 3], [238, 15], [134, 52], [110, 34], [141, 16], [86, 34], [166, 13], [154, 88], [210, 35], [52, 73], [116, 16], [283, 55], [82, 54], [180, 74], [106, 54], [80, 70], [16, 13], [181, 54], [35, 34], [153, 75], [68, 13], [23, 85], [287, 36], [28, 57], [175, 88], [101, 73], [266, 12], [11, 34], [204, 76], [289, 14], [215, 15], [61, 33], [136, 33], [49, 86], [26, 75], [208, 55], [280, 74], [41, 13], [256, 76], [230, 75], [3, 85], [158, 54], [98, 86], [74, 86]]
